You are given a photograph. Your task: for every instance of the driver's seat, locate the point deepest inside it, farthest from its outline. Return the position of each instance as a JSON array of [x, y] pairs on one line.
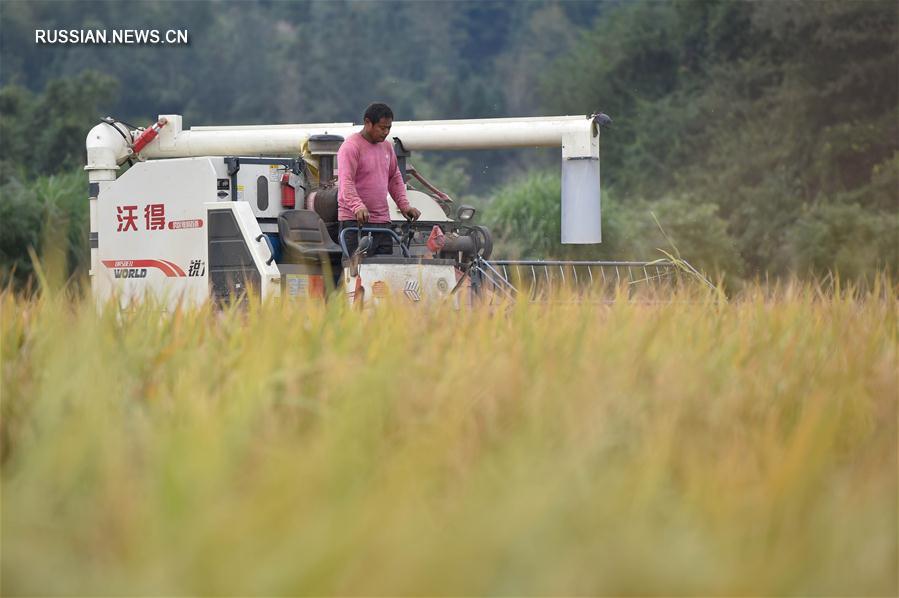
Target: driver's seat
[[304, 237]]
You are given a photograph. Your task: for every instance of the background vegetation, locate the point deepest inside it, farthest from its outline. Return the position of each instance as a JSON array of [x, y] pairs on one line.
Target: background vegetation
[[692, 447], [762, 135]]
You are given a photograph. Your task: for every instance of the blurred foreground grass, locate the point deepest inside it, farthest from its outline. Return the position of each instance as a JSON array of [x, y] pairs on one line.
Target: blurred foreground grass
[[683, 448]]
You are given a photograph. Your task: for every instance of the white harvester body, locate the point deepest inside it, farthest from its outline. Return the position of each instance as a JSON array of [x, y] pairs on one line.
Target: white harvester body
[[222, 212]]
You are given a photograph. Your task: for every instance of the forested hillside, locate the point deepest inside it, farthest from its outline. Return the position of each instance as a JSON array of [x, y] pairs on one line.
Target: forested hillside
[[783, 115], [762, 136]]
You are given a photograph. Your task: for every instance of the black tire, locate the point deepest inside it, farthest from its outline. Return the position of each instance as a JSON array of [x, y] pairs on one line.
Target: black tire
[[483, 241]]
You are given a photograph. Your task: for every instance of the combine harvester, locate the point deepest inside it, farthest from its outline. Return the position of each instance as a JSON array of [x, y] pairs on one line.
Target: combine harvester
[[225, 212]]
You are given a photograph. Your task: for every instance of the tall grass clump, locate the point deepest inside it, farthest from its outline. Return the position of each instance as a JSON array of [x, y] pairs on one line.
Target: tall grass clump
[[690, 447]]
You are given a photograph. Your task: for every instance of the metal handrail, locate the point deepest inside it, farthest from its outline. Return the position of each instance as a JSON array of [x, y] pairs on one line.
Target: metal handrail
[[341, 237]]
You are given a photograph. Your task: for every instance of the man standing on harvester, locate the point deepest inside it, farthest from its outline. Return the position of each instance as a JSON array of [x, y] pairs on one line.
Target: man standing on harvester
[[366, 171]]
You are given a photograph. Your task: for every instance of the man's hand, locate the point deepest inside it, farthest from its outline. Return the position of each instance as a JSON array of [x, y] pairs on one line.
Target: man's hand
[[362, 216], [412, 213]]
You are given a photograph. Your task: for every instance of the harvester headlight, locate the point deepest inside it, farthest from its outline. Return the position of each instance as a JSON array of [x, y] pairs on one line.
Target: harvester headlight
[[465, 213]]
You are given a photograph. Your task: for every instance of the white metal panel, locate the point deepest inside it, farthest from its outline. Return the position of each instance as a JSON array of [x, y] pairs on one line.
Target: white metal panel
[[430, 210], [145, 249], [581, 222], [412, 282], [247, 187]]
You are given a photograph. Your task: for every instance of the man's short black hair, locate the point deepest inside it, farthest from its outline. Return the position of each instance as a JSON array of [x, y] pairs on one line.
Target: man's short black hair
[[376, 112]]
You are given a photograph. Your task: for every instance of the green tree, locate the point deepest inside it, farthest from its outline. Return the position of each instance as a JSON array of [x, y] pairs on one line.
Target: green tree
[[48, 214], [45, 133], [43, 190], [769, 110], [849, 240]]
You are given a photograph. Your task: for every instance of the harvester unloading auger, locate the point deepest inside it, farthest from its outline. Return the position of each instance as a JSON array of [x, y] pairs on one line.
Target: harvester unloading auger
[[223, 212]]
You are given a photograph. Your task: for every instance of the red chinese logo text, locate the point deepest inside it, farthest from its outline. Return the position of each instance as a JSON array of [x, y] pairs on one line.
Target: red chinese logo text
[[126, 218]]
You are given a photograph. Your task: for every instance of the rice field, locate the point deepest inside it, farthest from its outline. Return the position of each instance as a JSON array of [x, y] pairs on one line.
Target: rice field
[[686, 447]]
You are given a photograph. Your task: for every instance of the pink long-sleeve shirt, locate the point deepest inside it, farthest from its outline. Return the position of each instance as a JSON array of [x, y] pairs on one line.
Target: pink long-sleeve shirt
[[366, 172]]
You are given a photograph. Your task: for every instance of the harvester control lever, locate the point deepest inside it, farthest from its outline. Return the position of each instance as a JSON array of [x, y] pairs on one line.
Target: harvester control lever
[[408, 233]]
